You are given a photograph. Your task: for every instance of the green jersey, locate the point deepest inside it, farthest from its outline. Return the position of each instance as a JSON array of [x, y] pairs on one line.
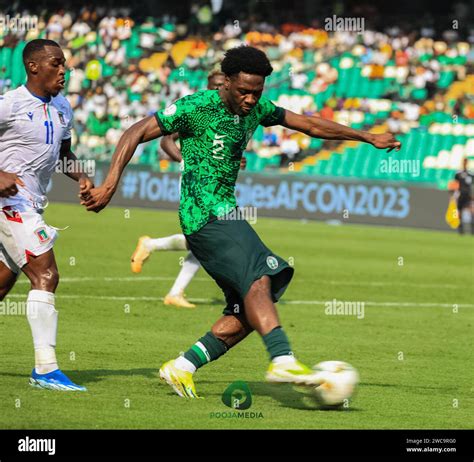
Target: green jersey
[[212, 141]]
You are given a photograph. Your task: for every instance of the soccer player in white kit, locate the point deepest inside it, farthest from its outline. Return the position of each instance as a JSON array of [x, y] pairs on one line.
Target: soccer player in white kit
[[35, 135]]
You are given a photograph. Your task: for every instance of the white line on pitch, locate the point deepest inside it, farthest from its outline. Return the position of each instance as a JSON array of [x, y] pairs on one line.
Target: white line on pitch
[[284, 302], [321, 281]]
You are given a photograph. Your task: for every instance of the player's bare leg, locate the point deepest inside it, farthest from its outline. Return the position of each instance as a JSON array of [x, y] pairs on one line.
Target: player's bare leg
[[260, 315], [259, 308], [231, 329], [7, 280], [42, 272]]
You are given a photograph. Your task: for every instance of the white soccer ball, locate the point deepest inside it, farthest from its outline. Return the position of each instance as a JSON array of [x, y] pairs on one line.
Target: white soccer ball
[[339, 383]]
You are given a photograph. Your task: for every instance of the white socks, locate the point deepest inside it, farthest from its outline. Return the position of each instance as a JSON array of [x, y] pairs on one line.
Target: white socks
[[184, 364], [284, 359], [43, 319], [190, 267], [174, 242]]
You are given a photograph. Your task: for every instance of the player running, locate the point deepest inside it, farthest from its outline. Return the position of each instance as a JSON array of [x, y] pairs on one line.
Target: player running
[[214, 127], [465, 180], [35, 133]]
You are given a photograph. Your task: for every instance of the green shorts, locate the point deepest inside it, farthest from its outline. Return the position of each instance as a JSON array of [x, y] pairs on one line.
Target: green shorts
[[234, 256]]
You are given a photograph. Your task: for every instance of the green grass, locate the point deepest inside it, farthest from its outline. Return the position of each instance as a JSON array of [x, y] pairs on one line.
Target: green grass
[[117, 354]]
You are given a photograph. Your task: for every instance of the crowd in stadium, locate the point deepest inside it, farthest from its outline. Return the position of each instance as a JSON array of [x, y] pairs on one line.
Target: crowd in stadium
[[122, 70]]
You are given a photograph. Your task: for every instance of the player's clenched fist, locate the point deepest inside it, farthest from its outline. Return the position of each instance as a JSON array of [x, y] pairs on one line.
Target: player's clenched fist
[[97, 200], [384, 141], [8, 184], [85, 186]]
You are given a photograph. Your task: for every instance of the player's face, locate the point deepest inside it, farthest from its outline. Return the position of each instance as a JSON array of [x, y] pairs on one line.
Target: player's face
[[216, 82], [244, 91], [49, 68]]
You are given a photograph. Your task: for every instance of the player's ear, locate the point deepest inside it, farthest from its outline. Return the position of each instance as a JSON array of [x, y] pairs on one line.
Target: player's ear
[[31, 67], [227, 82]]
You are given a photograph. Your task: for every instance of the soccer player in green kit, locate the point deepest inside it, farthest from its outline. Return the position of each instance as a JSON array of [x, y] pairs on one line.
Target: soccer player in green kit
[[214, 127]]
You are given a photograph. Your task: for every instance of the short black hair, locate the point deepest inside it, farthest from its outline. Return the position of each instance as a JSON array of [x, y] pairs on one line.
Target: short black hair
[[36, 45], [246, 59]]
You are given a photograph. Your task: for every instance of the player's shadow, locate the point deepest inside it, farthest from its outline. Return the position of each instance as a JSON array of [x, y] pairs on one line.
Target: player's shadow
[[84, 377], [96, 375], [290, 396], [213, 301]]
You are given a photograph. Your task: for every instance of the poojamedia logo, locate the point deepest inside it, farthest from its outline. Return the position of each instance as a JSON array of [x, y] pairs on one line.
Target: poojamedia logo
[[237, 396]]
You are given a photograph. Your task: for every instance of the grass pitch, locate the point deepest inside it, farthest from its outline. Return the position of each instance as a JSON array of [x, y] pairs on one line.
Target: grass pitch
[[413, 346]]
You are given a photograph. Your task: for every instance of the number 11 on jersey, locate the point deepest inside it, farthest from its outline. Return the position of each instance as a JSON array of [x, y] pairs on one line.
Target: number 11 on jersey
[[49, 131]]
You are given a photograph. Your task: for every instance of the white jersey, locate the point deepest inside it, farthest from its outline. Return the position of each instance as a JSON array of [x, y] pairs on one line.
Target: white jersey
[[31, 133]]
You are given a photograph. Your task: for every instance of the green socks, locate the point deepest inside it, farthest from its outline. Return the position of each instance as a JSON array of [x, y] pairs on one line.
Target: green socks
[[277, 343], [209, 348], [205, 350]]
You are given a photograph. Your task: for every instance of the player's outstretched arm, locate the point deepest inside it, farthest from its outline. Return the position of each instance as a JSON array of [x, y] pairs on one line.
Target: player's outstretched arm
[[168, 144], [317, 127], [145, 130]]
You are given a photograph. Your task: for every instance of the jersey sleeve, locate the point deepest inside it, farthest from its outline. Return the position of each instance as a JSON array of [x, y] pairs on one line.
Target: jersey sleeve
[[270, 113], [175, 117], [5, 112], [70, 124]]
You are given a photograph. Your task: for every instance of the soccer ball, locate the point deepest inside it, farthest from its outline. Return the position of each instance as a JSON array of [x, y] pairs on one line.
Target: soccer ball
[[339, 382]]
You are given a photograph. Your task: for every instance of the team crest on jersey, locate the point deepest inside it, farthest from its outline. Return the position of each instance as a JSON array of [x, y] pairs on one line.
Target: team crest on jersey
[[170, 110], [42, 235], [12, 215], [272, 262], [62, 121]]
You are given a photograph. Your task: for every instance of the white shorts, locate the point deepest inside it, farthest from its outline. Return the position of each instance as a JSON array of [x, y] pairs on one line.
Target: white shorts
[[23, 234]]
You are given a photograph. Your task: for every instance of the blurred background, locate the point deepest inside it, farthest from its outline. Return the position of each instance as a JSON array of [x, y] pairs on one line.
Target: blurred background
[[406, 67]]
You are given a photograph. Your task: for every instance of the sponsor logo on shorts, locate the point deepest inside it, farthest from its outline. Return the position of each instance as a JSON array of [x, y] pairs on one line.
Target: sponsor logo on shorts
[[272, 262], [12, 215], [42, 235]]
